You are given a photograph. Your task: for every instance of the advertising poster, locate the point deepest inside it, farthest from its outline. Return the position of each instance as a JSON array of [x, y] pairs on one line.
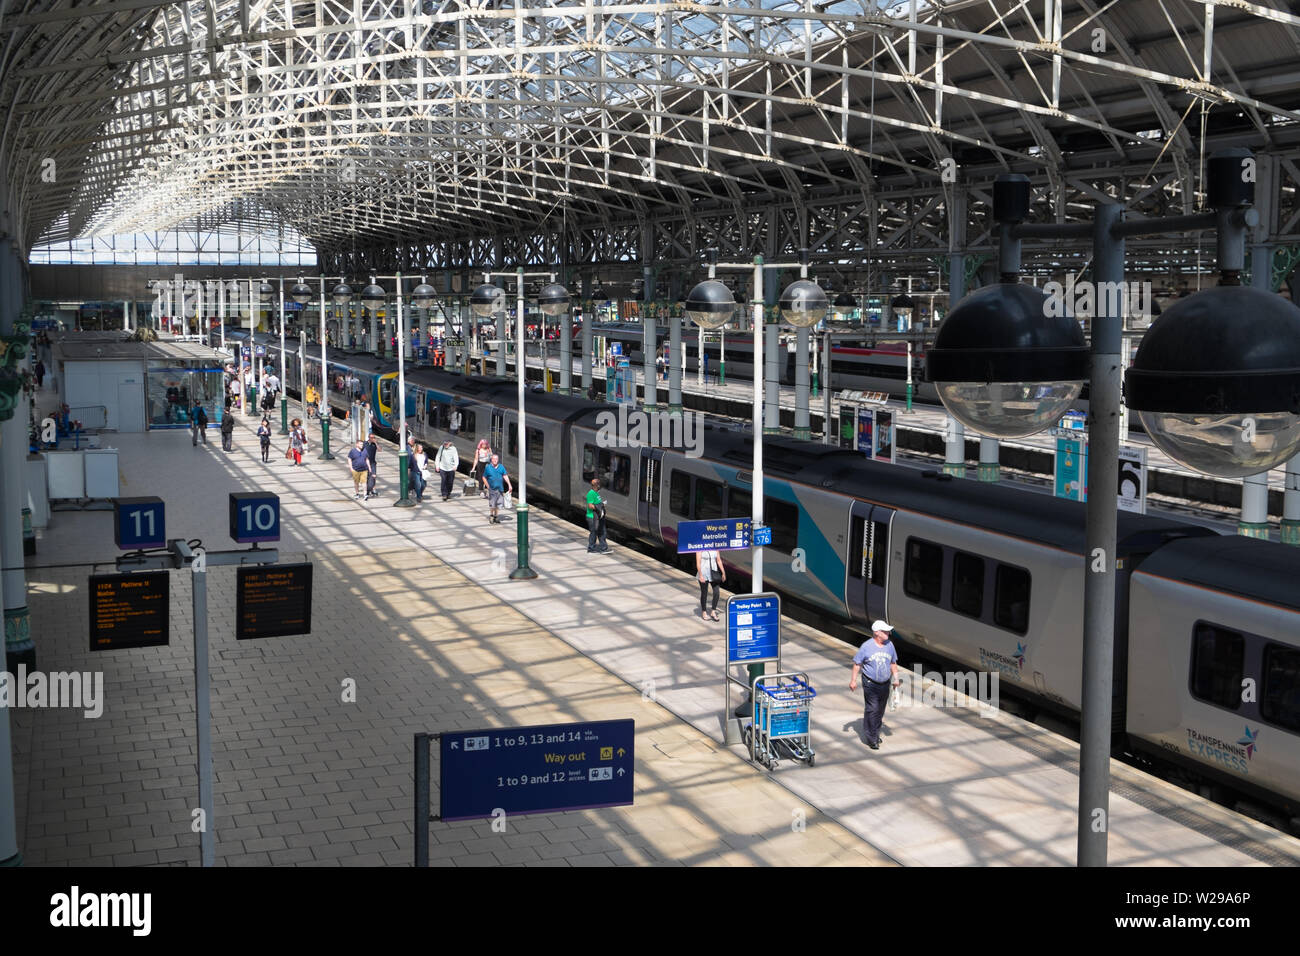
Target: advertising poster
[[1071, 469], [884, 437], [866, 420], [1132, 479]]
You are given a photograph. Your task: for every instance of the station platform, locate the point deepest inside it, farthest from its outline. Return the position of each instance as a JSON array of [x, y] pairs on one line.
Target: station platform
[[416, 606]]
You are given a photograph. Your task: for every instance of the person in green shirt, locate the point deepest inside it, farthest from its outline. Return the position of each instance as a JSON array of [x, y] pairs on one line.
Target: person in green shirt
[[596, 520]]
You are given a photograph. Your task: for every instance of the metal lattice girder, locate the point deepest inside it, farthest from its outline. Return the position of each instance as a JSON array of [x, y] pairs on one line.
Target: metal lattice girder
[[387, 123]]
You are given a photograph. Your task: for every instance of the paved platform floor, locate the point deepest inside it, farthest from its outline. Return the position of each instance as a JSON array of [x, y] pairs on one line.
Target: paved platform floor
[[416, 606]]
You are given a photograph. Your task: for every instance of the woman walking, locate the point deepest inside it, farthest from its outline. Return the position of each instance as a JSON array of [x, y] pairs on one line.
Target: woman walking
[[420, 471], [482, 455], [264, 436], [709, 571], [297, 441]]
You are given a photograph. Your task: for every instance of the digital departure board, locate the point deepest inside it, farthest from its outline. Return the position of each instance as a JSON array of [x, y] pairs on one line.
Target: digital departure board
[[129, 610], [273, 600]]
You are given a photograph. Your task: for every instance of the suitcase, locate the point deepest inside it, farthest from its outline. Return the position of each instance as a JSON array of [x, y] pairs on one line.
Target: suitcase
[[471, 488]]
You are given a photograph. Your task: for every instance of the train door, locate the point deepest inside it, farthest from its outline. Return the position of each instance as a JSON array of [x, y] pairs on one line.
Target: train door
[[498, 432], [648, 499], [867, 562]]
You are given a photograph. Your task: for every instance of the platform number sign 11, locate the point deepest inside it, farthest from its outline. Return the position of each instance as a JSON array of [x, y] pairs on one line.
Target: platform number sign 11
[[139, 523], [254, 517]]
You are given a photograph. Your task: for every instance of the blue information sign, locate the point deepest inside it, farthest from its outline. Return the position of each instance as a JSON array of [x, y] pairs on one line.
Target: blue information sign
[[753, 628], [763, 536], [540, 769], [721, 534], [254, 516], [139, 523]]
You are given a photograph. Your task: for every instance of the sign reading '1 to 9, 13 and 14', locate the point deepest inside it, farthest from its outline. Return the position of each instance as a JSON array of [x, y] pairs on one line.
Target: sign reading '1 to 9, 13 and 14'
[[537, 769], [129, 610]]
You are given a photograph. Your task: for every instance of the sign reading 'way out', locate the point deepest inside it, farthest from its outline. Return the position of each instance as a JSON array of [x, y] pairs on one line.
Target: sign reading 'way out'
[[537, 769]]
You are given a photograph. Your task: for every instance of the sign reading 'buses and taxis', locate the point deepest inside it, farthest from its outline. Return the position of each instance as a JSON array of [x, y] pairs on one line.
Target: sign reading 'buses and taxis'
[[273, 600], [129, 610]]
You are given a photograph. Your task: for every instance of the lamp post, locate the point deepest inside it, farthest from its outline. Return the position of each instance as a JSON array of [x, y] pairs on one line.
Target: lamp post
[[284, 399], [301, 294], [422, 298], [711, 305], [553, 300], [342, 297], [904, 303], [486, 300], [1216, 383], [264, 293], [372, 300], [403, 475]]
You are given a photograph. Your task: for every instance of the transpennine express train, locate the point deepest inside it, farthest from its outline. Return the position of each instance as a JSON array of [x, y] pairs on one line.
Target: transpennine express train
[[1207, 626]]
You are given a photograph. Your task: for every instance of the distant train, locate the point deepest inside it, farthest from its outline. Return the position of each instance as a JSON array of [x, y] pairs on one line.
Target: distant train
[[1207, 627]]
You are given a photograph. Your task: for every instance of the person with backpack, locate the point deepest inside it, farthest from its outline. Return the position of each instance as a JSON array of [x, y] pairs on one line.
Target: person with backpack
[[596, 520], [227, 430], [297, 441], [198, 424], [709, 571]]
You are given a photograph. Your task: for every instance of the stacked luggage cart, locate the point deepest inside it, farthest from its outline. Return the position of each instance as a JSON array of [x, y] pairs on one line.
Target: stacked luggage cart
[[782, 712]]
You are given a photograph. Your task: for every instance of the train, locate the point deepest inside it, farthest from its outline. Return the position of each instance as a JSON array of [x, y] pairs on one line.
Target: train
[[1207, 626]]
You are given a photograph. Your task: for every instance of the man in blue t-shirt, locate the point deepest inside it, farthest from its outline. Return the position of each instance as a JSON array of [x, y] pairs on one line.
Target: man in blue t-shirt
[[877, 661], [497, 482]]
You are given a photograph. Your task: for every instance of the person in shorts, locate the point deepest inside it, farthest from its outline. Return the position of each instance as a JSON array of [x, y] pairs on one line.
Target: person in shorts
[[359, 462], [498, 483]]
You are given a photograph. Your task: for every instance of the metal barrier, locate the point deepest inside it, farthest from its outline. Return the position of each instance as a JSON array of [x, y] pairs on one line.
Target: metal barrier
[[92, 417]]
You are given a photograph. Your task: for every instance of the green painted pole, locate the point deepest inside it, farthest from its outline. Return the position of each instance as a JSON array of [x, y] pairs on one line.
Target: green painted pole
[[284, 414], [325, 437], [523, 571], [403, 482]]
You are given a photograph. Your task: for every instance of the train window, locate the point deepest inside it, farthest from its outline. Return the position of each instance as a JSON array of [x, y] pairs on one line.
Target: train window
[[879, 552], [679, 494], [536, 446], [387, 391], [740, 503], [1011, 598], [1218, 664], [1280, 701], [859, 547], [923, 570], [512, 445], [613, 470], [783, 518], [650, 481], [967, 584], [708, 499]]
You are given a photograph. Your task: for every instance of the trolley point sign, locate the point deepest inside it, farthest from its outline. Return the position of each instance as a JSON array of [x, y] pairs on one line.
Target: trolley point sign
[[753, 628]]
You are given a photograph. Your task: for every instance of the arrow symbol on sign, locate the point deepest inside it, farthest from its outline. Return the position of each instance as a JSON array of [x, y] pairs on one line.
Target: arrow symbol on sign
[[455, 745], [621, 771], [621, 752]]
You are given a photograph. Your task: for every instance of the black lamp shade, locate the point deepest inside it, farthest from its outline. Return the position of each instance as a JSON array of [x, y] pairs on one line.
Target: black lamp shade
[[1226, 350], [845, 300], [902, 302], [1008, 332]]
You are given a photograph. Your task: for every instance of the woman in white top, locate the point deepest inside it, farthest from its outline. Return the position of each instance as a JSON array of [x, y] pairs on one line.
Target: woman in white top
[[709, 571], [482, 455], [420, 461]]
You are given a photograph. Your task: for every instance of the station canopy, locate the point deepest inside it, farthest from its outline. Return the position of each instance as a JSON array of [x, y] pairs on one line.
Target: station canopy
[[408, 120]]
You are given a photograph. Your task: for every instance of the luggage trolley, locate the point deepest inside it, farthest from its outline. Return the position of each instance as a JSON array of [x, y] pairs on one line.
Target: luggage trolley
[[782, 708]]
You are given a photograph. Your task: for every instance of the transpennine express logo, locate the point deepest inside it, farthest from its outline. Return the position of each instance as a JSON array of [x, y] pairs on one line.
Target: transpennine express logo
[[1009, 665], [1248, 741]]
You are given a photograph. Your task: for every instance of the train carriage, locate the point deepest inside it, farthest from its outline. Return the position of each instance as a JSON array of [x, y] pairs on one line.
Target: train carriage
[[1214, 676]]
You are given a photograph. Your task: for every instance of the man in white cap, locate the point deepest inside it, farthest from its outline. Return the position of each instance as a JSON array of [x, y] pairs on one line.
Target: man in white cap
[[877, 661]]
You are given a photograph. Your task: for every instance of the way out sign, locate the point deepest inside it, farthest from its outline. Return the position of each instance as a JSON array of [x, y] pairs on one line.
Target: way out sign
[[254, 517]]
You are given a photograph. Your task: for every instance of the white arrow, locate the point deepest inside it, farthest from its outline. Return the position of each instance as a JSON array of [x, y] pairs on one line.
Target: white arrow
[[621, 771], [455, 744]]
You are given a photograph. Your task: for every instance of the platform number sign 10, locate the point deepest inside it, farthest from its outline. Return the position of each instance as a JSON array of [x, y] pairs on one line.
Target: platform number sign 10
[[139, 523], [254, 517]]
